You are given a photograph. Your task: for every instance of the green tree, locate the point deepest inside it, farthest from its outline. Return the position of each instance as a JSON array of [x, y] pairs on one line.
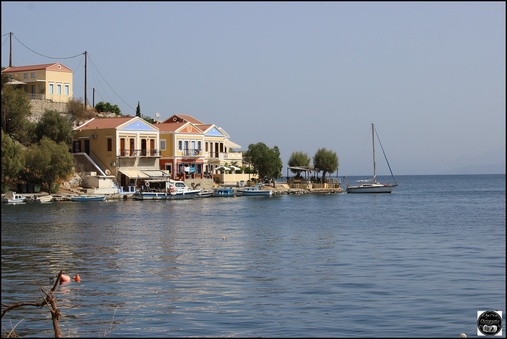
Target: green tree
[[12, 161], [266, 161], [107, 107], [15, 115], [298, 159], [149, 119], [5, 78], [48, 163], [326, 161], [138, 110], [54, 126]]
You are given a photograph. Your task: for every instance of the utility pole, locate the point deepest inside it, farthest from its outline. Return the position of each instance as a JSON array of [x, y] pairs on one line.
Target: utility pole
[[85, 102], [10, 50]]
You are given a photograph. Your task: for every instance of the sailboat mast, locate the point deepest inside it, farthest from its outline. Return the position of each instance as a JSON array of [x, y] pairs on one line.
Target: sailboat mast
[[374, 162]]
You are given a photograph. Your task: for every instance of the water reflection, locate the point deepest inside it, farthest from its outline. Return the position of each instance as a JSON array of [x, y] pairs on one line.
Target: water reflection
[[285, 266]]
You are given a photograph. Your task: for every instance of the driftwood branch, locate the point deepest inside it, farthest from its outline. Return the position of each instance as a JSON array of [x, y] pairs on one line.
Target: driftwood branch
[[48, 300], [12, 307]]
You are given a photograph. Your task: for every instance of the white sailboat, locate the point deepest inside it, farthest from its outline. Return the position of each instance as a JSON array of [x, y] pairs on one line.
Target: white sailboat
[[372, 185]]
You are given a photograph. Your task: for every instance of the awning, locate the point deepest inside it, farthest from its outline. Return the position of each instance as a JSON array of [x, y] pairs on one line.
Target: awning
[[302, 168], [231, 144], [155, 173], [134, 174], [15, 82]]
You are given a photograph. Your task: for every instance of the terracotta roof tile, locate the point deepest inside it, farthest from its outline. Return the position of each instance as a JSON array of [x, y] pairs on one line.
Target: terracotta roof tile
[[103, 123], [190, 118], [16, 69], [168, 126], [184, 117]]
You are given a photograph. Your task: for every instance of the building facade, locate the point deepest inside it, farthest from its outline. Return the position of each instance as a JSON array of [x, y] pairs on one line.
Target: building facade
[[131, 150], [43, 82], [124, 147]]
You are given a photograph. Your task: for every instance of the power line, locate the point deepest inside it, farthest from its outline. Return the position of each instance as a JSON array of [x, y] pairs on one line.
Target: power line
[[31, 50], [71, 57], [109, 85]]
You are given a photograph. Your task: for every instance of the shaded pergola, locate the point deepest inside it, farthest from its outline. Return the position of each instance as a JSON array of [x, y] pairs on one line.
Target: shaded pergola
[[307, 170]]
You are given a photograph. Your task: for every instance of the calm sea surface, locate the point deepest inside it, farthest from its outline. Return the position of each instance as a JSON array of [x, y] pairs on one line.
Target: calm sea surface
[[419, 262]]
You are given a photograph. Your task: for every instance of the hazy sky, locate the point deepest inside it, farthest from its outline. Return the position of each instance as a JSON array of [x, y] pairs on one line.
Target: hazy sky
[[297, 75]]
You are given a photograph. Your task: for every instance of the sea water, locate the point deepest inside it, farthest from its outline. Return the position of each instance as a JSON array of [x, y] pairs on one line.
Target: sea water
[[419, 262]]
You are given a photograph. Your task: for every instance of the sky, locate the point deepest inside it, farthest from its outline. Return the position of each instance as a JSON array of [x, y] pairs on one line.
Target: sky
[[301, 76]]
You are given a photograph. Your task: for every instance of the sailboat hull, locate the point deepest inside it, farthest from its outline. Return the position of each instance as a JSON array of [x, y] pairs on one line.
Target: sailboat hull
[[371, 188]]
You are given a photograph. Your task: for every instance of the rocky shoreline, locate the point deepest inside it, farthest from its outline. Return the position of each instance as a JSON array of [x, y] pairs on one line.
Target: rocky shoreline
[[281, 189]]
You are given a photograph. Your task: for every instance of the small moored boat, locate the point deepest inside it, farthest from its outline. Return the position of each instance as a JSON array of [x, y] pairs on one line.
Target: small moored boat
[[255, 191], [40, 199], [223, 192], [372, 185], [86, 198], [165, 190], [44, 199], [205, 193], [14, 198]]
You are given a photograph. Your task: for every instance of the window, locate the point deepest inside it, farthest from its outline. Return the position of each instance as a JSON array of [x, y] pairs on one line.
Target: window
[[59, 89], [25, 75], [153, 151], [162, 144], [67, 90], [51, 89], [132, 147], [180, 145], [123, 152], [109, 144], [77, 146], [32, 75]]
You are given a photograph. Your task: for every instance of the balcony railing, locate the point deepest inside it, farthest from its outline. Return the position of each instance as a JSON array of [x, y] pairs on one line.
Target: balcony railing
[[192, 152], [231, 156], [139, 152], [33, 96]]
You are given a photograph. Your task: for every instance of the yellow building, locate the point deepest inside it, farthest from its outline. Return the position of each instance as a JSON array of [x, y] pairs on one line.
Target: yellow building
[[193, 149], [181, 146], [44, 82], [130, 150], [124, 147]]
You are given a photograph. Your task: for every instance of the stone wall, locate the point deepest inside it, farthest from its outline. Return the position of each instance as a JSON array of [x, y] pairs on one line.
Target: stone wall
[[38, 107]]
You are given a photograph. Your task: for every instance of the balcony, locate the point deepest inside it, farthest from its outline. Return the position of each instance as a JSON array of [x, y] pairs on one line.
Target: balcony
[[231, 156], [192, 152], [139, 153]]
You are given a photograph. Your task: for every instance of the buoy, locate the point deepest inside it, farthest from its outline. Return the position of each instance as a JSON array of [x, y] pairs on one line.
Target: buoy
[[64, 278], [77, 278]]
